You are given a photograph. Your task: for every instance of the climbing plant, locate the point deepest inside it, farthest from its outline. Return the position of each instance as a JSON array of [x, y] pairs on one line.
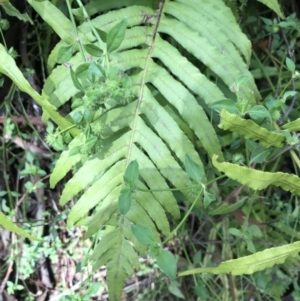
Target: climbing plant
[[141, 79]]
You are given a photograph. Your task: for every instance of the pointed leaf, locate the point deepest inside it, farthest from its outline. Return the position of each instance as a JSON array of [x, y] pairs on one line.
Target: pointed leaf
[[125, 200], [228, 104], [132, 173], [93, 50], [259, 155], [9, 225], [116, 36], [194, 171], [208, 198], [259, 112], [75, 80], [167, 263], [274, 5], [226, 208], [64, 54], [12, 11], [144, 235], [290, 65]]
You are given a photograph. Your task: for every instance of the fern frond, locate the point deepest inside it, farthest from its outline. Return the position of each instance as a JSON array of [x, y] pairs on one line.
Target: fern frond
[[250, 130], [257, 179], [253, 263], [167, 88]]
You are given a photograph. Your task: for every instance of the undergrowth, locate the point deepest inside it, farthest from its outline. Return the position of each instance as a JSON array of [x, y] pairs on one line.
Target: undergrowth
[[175, 143]]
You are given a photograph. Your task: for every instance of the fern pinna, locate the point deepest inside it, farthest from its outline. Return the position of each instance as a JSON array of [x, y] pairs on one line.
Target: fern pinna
[[132, 72]]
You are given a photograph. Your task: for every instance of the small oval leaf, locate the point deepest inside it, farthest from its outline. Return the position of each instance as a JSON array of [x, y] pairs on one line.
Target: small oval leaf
[[125, 200]]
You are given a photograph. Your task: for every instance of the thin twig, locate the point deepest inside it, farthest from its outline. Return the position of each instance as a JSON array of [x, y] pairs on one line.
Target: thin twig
[[291, 54]]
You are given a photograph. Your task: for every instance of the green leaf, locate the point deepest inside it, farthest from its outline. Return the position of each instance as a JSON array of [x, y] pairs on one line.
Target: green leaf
[[274, 5], [102, 34], [252, 263], [77, 117], [9, 225], [132, 173], [292, 126], [226, 208], [125, 200], [208, 198], [290, 65], [259, 112], [88, 115], [256, 179], [235, 232], [93, 50], [259, 155], [96, 70], [228, 104], [74, 151], [250, 130], [194, 171], [144, 235], [116, 36], [288, 94], [9, 68], [64, 54], [81, 70], [75, 80], [12, 11], [167, 263]]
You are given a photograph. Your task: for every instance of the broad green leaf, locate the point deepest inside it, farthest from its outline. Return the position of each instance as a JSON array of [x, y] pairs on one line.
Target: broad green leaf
[[259, 155], [290, 65], [81, 70], [292, 126], [228, 104], [64, 54], [12, 11], [93, 50], [227, 208], [252, 263], [9, 225], [259, 112], [257, 179], [235, 232], [125, 200], [274, 5], [9, 68], [250, 130], [132, 173], [144, 235], [167, 263], [208, 198], [194, 171], [116, 36]]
